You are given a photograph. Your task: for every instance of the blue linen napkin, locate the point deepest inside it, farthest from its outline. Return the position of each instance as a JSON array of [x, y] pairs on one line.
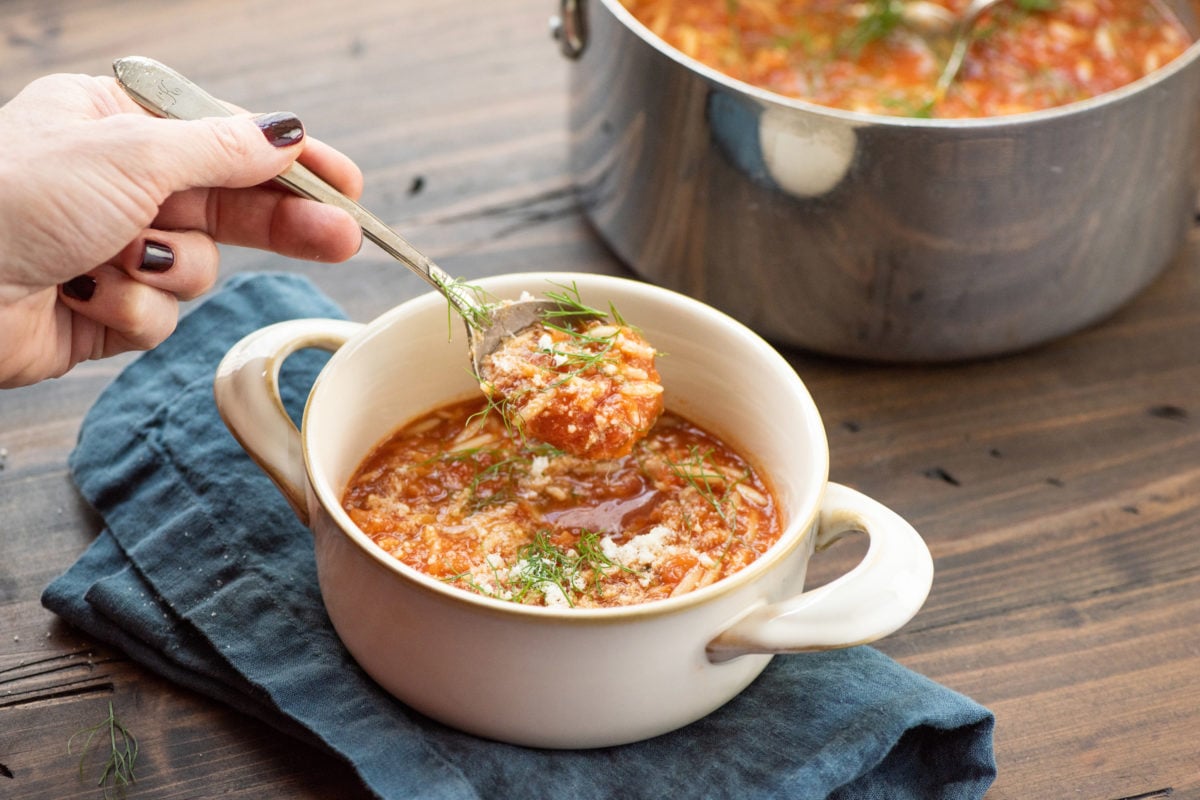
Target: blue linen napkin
[[204, 575]]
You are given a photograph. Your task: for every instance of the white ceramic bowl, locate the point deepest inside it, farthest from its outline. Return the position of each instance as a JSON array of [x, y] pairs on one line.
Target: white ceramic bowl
[[574, 677]]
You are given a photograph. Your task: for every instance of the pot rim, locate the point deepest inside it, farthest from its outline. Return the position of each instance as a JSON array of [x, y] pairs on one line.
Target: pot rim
[[861, 118], [796, 530]]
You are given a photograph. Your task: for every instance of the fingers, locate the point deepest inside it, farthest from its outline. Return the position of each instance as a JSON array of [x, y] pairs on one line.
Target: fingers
[[169, 155], [271, 218], [182, 263], [182, 159], [332, 165], [135, 299], [268, 219], [133, 314], [133, 303]]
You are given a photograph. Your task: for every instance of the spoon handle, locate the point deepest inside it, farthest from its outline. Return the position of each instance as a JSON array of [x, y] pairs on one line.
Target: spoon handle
[[163, 91]]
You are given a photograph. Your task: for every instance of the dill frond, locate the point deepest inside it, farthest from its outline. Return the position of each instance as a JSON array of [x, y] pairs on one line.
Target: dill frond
[[475, 305], [881, 18], [570, 304], [697, 471], [109, 734]]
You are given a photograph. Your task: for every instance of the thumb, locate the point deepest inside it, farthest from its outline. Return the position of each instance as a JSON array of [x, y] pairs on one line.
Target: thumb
[[232, 152]]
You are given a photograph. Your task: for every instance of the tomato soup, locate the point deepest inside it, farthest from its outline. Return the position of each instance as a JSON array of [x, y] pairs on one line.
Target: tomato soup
[[869, 56], [462, 496]]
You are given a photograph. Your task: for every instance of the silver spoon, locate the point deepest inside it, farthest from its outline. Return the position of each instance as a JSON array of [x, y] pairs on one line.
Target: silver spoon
[[163, 91], [934, 21]]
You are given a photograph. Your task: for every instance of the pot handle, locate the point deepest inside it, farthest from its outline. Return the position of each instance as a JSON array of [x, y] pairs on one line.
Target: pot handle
[[874, 599], [246, 388], [569, 28]]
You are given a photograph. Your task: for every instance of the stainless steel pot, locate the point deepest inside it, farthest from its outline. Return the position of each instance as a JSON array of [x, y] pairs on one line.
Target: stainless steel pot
[[868, 236]]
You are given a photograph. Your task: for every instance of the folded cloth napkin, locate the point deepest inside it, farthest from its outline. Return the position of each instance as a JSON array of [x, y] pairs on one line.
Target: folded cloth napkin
[[204, 575]]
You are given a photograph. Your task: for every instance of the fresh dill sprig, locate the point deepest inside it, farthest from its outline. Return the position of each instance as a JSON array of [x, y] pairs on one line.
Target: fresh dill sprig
[[699, 473], [880, 19], [571, 305], [475, 305], [591, 554], [570, 311], [506, 472], [593, 350], [542, 564], [910, 108], [503, 406], [579, 354], [506, 469], [582, 359], [117, 773], [468, 581]]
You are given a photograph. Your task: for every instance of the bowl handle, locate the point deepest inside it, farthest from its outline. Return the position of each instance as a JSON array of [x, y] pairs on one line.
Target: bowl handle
[[246, 387], [883, 592]]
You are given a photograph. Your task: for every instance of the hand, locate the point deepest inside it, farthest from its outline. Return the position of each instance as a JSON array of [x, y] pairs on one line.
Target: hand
[[109, 217]]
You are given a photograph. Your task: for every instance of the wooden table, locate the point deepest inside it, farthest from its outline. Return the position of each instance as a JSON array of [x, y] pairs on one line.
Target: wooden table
[[1059, 489]]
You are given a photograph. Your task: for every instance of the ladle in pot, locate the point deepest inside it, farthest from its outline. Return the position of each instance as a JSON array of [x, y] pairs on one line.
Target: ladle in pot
[[163, 91], [962, 40], [934, 20]]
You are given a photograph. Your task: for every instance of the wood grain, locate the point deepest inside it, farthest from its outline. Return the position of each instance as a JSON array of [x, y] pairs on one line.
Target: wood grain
[[1059, 489]]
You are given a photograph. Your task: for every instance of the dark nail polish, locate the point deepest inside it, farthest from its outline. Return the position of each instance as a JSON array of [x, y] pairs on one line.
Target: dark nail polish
[[281, 128], [157, 257], [81, 288]]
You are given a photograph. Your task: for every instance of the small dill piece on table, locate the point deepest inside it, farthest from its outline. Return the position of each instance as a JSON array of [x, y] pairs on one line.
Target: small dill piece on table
[[122, 749]]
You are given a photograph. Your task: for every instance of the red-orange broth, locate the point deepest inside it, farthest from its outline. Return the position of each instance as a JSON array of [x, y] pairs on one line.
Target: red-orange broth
[[463, 497], [1025, 55]]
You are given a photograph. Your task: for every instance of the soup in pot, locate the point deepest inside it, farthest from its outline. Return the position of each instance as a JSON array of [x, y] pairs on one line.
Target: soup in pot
[[871, 56]]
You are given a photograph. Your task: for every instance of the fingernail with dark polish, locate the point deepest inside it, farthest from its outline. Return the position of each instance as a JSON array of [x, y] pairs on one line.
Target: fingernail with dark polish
[[157, 257], [282, 128], [81, 288]]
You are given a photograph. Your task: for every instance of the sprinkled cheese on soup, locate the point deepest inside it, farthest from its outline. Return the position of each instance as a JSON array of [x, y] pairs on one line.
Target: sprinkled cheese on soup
[[589, 388], [460, 495]]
